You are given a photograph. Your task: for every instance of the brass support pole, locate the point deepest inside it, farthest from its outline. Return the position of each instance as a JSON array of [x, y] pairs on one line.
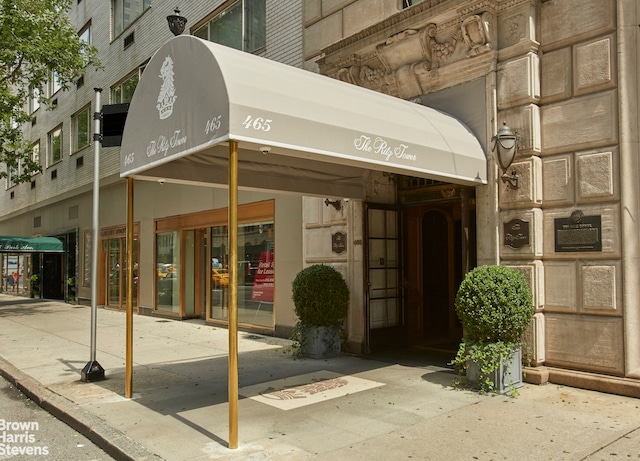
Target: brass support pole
[[233, 295], [128, 385]]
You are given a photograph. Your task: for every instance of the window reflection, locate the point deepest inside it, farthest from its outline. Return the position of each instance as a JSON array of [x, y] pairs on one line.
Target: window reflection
[[255, 273], [167, 273]]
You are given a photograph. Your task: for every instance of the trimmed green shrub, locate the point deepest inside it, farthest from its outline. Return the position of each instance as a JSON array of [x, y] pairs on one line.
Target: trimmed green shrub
[[320, 296], [494, 303]]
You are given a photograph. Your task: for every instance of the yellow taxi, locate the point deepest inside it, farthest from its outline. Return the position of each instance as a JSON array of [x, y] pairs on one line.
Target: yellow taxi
[[220, 277]]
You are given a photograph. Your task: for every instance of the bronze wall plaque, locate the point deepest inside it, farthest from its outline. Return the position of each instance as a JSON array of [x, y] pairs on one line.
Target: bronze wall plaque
[[516, 233], [339, 242], [578, 233]]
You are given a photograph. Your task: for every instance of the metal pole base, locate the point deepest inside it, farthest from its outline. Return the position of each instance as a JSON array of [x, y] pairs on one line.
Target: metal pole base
[[92, 371]]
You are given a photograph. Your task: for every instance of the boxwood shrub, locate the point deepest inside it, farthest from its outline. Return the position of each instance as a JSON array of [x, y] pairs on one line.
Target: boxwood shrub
[[320, 296], [494, 304]]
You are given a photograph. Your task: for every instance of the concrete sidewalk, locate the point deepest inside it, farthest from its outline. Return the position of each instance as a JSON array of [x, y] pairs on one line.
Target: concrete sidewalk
[[289, 409]]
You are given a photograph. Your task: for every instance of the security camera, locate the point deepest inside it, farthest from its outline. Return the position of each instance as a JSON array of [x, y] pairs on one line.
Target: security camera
[[161, 181], [265, 150]]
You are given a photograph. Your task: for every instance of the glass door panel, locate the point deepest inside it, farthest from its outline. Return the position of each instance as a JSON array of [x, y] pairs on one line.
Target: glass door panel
[[115, 272], [255, 273], [167, 272], [384, 276], [383, 270], [189, 273]]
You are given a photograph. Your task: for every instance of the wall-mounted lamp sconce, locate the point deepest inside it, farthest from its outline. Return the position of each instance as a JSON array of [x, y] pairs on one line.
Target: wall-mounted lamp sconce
[[176, 22], [337, 204], [506, 141]]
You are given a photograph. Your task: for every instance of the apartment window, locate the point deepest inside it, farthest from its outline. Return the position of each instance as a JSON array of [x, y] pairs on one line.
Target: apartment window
[[125, 12], [408, 3], [123, 92], [85, 34], [34, 100], [13, 171], [227, 28], [80, 124], [54, 84], [55, 145], [35, 152]]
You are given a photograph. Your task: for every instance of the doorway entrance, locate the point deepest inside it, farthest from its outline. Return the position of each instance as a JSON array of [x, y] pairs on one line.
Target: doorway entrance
[[440, 250], [112, 274]]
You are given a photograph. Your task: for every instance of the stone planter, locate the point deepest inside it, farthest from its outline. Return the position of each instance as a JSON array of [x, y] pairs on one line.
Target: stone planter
[[508, 375], [319, 342]]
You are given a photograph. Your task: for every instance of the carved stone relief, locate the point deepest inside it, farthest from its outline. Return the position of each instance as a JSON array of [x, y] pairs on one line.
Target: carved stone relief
[[476, 32], [402, 65]]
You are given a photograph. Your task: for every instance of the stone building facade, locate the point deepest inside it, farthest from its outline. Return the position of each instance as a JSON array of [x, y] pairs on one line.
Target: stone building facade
[[561, 73]]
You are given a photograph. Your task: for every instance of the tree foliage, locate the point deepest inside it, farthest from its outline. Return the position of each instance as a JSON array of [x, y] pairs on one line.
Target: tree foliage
[[37, 41]]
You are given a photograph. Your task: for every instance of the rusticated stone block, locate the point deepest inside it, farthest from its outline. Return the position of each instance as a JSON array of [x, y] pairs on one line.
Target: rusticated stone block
[[533, 351], [557, 180], [595, 173], [515, 27], [593, 343], [321, 34], [555, 78], [312, 211], [560, 286], [570, 21], [331, 6], [533, 272], [580, 123], [601, 288], [359, 15], [312, 11], [594, 67], [519, 81], [529, 191]]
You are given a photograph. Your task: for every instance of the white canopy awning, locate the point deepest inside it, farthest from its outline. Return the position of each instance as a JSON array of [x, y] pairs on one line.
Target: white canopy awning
[[322, 135]]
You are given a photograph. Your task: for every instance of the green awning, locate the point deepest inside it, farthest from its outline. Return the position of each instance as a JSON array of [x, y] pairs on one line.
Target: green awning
[[10, 244]]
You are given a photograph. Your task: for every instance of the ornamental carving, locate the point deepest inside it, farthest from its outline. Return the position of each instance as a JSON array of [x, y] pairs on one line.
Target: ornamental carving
[[476, 32], [405, 63], [515, 28]]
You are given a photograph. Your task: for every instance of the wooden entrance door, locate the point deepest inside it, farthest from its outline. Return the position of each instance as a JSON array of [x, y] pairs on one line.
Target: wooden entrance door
[[440, 249]]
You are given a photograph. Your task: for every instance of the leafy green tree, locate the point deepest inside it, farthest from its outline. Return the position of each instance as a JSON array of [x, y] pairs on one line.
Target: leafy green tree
[[37, 41]]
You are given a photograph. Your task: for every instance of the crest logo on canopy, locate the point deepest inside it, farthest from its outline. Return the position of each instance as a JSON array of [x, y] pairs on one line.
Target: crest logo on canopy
[[167, 95]]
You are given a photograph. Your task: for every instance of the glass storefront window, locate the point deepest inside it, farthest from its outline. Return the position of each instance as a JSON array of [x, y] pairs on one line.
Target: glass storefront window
[[15, 274], [167, 271], [255, 273]]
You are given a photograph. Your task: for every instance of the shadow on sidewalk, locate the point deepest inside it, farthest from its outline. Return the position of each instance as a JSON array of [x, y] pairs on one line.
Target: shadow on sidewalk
[[175, 389], [29, 306]]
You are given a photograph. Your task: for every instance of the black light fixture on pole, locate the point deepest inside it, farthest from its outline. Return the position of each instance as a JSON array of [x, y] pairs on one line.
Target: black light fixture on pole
[[506, 142], [176, 22]]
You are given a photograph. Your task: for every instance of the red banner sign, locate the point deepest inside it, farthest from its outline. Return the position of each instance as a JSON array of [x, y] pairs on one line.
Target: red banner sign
[[263, 283]]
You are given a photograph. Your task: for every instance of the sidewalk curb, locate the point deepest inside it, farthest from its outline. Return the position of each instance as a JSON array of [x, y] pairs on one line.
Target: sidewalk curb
[[111, 440]]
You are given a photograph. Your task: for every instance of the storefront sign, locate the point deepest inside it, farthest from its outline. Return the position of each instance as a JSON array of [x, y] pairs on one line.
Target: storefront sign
[[578, 233], [339, 242], [262, 289], [516, 233]]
